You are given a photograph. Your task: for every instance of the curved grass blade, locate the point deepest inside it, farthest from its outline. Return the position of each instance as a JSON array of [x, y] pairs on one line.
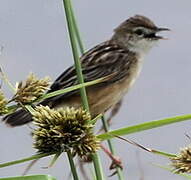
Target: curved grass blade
[[68, 12], [12, 108], [171, 170], [37, 156], [72, 88], [34, 177], [143, 127]]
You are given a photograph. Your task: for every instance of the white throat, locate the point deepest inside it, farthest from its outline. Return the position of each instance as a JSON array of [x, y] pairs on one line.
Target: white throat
[[142, 47]]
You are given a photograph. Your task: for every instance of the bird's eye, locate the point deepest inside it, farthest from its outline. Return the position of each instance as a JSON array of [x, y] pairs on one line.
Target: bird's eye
[[139, 32]]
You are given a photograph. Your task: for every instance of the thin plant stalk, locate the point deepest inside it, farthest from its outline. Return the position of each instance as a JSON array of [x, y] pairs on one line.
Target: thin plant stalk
[[56, 156], [68, 12], [81, 48], [71, 88], [143, 126], [37, 156], [111, 148], [98, 167], [77, 32], [72, 166], [75, 52], [6, 80]]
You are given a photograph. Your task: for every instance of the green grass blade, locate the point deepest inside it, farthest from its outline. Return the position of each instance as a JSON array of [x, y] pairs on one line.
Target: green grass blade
[[55, 158], [171, 170], [37, 156], [77, 63], [98, 167], [77, 32], [72, 166], [72, 88], [81, 48], [62, 91], [161, 153], [72, 34], [143, 126], [34, 177]]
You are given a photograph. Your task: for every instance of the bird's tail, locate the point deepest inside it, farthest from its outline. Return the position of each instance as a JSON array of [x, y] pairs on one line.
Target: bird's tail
[[18, 118]]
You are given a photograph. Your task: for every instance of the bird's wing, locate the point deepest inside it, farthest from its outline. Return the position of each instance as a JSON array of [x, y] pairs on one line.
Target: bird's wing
[[103, 60]]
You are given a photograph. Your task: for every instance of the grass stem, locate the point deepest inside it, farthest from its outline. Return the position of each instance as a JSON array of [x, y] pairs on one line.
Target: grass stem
[[72, 166], [74, 34], [111, 147]]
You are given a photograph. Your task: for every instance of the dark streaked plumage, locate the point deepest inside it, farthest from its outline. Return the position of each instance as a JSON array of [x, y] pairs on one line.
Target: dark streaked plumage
[[119, 55]]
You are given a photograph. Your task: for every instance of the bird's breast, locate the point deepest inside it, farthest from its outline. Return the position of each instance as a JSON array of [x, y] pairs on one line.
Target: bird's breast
[[103, 98]]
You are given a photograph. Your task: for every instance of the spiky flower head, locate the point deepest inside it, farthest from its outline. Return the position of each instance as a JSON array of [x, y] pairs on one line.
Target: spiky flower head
[[182, 162], [63, 130], [3, 103], [31, 89]]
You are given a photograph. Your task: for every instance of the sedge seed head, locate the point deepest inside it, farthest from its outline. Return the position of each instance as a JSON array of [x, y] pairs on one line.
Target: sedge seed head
[[31, 89], [182, 162], [3, 103], [63, 130]]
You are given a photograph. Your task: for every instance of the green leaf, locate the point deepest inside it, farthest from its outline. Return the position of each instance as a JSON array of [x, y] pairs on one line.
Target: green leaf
[[143, 127], [161, 153], [72, 33], [171, 170], [66, 90], [72, 88], [34, 177], [37, 156]]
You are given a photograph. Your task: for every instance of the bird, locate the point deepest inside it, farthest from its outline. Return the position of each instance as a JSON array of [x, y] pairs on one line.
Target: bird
[[122, 55]]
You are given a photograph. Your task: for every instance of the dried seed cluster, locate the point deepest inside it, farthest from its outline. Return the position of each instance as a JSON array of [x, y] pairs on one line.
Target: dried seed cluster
[[31, 89], [182, 162], [63, 130], [3, 103]]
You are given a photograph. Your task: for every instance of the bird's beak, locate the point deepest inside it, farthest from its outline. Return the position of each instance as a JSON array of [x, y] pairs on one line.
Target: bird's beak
[[162, 29]]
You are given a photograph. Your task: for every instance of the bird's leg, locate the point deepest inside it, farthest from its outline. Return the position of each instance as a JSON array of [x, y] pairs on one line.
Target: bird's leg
[[116, 161], [114, 111]]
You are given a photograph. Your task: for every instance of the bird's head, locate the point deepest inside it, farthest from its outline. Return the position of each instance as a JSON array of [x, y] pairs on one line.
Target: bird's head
[[138, 34]]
